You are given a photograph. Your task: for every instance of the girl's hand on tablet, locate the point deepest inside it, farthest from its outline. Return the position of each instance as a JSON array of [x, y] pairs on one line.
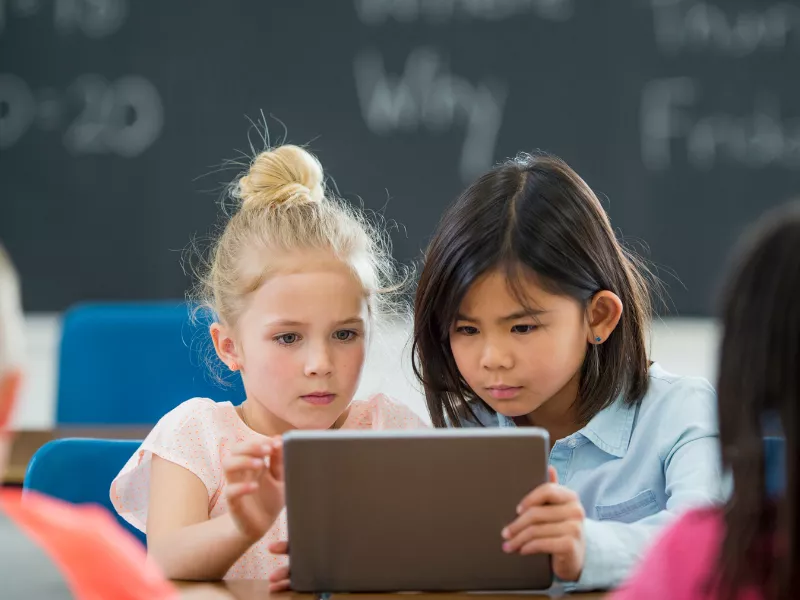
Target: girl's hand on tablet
[[279, 578], [254, 473], [550, 522]]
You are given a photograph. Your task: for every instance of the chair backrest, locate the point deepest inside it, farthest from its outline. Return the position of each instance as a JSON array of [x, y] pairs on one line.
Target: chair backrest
[[81, 470], [132, 363], [775, 466]]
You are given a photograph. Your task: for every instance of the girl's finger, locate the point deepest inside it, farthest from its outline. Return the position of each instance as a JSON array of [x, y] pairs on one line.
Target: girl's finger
[[241, 462], [547, 493], [235, 491], [543, 514], [554, 546], [276, 460], [570, 529], [281, 547], [279, 574], [256, 449], [281, 586]]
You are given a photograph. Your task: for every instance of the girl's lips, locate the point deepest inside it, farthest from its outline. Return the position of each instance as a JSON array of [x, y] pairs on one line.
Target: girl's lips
[[319, 399], [503, 392]]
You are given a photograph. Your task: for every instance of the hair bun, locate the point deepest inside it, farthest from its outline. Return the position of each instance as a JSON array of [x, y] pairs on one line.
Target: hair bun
[[283, 175]]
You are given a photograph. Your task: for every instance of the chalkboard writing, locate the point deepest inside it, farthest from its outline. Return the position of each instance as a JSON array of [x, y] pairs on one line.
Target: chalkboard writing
[[115, 115], [93, 18], [428, 95], [701, 26], [123, 117]]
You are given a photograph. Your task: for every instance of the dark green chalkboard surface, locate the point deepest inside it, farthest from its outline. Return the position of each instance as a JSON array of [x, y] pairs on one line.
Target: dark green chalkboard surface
[[684, 115]]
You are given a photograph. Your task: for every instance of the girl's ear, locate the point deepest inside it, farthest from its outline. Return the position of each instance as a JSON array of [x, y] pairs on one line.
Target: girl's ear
[[225, 346], [603, 314]]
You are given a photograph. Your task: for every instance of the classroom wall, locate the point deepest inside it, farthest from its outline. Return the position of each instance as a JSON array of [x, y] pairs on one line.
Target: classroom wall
[[682, 345]]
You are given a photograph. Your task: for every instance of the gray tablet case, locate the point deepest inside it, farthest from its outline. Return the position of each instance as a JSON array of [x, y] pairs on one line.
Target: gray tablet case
[[385, 511]]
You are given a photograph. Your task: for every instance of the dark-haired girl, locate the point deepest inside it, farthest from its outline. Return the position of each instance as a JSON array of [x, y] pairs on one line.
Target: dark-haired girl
[[530, 312]]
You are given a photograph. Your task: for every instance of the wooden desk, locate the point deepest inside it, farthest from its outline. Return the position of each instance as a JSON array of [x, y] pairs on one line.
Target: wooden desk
[[25, 444], [259, 589]]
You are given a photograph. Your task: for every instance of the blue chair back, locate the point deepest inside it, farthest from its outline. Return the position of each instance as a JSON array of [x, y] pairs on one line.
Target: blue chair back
[[131, 363], [81, 470], [775, 466]]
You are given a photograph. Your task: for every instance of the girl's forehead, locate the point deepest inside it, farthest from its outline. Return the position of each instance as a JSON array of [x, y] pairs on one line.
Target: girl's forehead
[[310, 296], [495, 289]]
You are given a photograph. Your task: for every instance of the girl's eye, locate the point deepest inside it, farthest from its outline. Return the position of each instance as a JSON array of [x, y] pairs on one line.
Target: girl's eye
[[345, 335], [467, 330], [524, 328], [287, 339]]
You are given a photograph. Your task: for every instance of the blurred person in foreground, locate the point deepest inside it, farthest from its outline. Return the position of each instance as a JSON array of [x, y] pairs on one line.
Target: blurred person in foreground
[[52, 549], [747, 548]]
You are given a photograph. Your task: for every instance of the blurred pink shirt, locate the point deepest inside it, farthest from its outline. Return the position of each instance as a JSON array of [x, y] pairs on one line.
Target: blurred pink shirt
[[682, 562]]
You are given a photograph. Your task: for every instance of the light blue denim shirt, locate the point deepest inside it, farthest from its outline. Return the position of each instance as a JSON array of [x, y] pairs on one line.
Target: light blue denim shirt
[[635, 467]]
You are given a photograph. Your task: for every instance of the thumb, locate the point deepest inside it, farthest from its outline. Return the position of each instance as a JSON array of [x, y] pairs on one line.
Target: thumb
[[276, 460], [552, 475]]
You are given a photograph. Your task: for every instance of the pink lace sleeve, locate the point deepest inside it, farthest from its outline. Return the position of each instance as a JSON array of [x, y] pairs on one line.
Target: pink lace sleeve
[[187, 436]]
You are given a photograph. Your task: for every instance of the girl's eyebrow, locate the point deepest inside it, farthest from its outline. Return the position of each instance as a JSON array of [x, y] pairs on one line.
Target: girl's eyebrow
[[351, 321], [520, 314], [291, 323]]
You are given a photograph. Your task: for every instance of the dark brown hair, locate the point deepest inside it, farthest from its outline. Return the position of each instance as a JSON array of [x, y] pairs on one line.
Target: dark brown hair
[[759, 382], [531, 215]]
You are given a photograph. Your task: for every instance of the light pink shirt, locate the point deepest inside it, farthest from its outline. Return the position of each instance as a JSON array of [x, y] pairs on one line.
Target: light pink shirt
[[682, 562], [198, 435]]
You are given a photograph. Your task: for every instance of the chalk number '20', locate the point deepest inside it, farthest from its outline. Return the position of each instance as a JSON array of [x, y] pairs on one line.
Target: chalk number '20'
[[124, 117]]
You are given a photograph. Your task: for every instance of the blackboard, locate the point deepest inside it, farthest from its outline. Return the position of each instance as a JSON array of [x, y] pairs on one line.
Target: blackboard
[[682, 114]]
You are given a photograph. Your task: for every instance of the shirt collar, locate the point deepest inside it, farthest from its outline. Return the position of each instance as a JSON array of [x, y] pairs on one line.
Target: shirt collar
[[610, 429]]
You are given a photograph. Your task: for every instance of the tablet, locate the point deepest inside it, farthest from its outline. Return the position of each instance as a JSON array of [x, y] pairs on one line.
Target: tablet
[[388, 511]]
